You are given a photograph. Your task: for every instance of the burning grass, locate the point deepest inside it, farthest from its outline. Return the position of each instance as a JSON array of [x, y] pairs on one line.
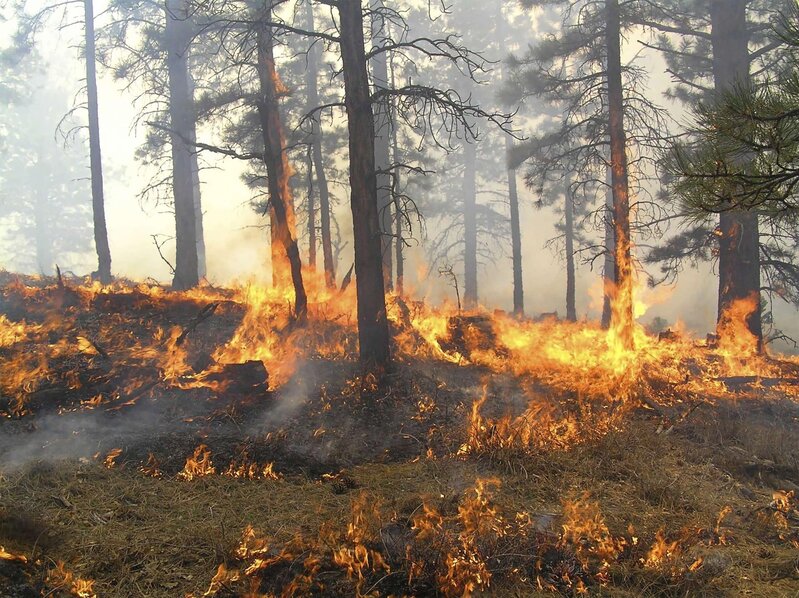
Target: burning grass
[[654, 522], [203, 444]]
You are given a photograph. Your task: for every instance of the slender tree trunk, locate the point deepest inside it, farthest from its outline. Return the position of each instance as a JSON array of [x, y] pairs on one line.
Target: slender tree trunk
[[470, 224], [382, 146], [373, 332], [515, 235], [568, 212], [608, 269], [311, 214], [623, 299], [312, 86], [44, 242], [178, 38], [513, 193], [399, 258], [276, 160], [202, 267], [739, 239], [95, 159]]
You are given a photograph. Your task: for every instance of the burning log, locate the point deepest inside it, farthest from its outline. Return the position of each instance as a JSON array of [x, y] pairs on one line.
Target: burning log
[[466, 334], [667, 335], [245, 378], [741, 382]]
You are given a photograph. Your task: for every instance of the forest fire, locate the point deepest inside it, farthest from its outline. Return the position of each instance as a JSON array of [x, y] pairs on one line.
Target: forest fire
[[269, 392], [571, 357], [575, 387]]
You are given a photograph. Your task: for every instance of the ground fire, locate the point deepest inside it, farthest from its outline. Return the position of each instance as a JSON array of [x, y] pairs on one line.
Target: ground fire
[[294, 477]]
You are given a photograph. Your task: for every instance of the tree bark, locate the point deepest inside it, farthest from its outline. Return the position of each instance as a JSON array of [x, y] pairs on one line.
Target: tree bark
[[470, 224], [515, 236], [44, 242], [95, 159], [276, 160], [739, 239], [608, 274], [312, 242], [622, 318], [312, 86], [399, 257], [202, 267], [568, 212], [382, 147], [399, 247], [178, 39], [373, 335]]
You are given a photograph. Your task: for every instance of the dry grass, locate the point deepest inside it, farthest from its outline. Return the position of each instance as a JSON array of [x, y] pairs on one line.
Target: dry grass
[[140, 536]]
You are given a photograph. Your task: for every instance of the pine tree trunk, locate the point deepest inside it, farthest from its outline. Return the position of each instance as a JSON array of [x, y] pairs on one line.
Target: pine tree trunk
[[399, 258], [515, 236], [103, 273], [568, 212], [608, 268], [178, 37], [373, 333], [202, 267], [44, 242], [470, 224], [739, 238], [202, 263], [513, 194], [312, 86], [312, 242], [382, 147], [622, 318], [276, 160]]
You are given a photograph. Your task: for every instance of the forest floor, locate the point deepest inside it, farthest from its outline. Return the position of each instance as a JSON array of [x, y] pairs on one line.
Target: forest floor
[[117, 480]]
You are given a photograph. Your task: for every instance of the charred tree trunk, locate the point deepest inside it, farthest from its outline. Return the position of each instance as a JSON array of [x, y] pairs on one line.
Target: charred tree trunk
[[608, 273], [312, 85], [623, 297], [95, 159], [470, 224], [739, 238], [276, 160], [515, 236], [382, 147], [568, 214], [373, 333], [178, 38]]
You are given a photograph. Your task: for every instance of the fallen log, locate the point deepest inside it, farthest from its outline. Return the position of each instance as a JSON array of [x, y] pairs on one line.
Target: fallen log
[[466, 334], [736, 382], [250, 377]]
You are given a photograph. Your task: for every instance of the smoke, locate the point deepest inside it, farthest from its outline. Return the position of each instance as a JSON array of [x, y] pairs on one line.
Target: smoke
[[78, 435]]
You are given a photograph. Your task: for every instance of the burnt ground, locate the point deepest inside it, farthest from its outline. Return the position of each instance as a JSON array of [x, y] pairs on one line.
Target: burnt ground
[[333, 436]]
